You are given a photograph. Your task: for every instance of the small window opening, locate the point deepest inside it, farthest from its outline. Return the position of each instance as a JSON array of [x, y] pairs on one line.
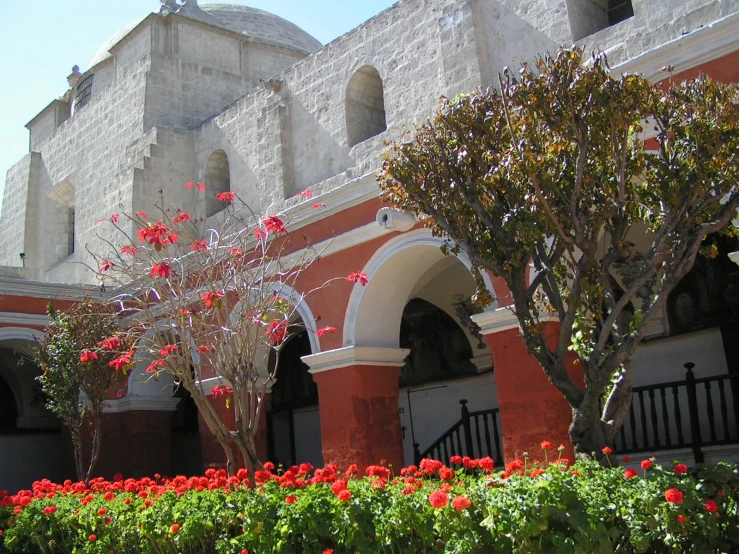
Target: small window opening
[[84, 93], [365, 105], [619, 10], [70, 231], [217, 180]]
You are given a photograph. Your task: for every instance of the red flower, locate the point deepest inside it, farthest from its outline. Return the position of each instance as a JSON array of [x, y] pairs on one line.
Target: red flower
[[626, 459], [357, 277], [88, 356], [49, 510], [607, 450], [277, 331], [102, 511], [122, 361], [681, 518], [344, 495], [236, 252], [305, 194], [114, 218], [212, 298], [106, 265], [710, 505], [201, 186], [328, 551], [161, 270], [446, 474], [319, 206], [205, 348], [93, 538], [674, 496], [274, 224], [112, 343], [155, 365], [219, 391], [325, 330], [157, 234], [291, 499], [646, 464], [438, 499], [455, 460], [128, 249], [486, 464], [546, 445], [142, 215], [225, 196], [167, 350], [461, 502], [181, 217], [680, 469], [199, 246], [174, 528], [629, 473]]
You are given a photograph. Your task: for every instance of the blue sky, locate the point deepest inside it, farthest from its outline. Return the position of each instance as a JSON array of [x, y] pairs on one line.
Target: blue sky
[[42, 39]]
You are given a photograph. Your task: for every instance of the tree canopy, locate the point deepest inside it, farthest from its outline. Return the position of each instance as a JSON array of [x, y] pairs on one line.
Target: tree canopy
[[589, 194]]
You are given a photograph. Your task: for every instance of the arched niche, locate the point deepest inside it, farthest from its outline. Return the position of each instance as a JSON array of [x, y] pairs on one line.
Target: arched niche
[[217, 180], [365, 105]]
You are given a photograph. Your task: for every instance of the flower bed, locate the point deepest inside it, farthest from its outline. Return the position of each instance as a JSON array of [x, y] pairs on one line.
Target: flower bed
[[531, 507]]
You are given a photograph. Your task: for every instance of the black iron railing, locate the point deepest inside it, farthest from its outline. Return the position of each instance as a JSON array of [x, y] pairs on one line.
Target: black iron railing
[[692, 413], [476, 434]]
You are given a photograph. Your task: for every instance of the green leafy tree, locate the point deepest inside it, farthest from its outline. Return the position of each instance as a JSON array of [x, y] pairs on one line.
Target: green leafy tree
[[75, 356], [547, 182]]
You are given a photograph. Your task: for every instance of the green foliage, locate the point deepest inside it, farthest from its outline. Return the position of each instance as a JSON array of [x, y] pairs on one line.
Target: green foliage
[[585, 508], [75, 390]]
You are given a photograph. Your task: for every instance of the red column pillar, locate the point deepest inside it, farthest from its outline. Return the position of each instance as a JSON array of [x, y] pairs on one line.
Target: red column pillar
[[358, 398], [532, 410]]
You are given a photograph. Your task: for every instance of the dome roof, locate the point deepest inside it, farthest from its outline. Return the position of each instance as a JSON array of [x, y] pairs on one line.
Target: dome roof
[[256, 24]]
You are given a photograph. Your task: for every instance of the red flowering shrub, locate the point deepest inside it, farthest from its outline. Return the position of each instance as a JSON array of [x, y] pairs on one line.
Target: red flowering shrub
[[539, 508]]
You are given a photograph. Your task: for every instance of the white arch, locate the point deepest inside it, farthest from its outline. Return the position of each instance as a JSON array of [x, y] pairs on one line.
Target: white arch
[[374, 311], [20, 333]]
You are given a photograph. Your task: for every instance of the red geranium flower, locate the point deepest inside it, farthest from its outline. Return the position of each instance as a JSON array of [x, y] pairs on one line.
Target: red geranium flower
[[607, 450], [291, 499], [455, 460], [710, 505], [226, 196], [174, 528], [674, 496], [325, 330], [646, 464], [681, 518], [88, 356], [344, 495], [626, 459], [93, 538], [49, 510], [461, 502], [629, 473], [357, 277], [546, 445], [680, 469], [438, 499], [161, 270]]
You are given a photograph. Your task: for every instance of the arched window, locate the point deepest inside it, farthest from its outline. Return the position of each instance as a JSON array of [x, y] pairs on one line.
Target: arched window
[[218, 180], [365, 105]]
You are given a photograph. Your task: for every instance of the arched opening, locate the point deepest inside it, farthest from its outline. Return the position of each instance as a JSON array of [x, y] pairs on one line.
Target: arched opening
[[8, 406], [218, 180], [365, 105], [187, 454], [294, 425]]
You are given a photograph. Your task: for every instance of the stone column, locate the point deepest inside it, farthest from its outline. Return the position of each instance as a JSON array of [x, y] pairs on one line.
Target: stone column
[[531, 409], [358, 397]]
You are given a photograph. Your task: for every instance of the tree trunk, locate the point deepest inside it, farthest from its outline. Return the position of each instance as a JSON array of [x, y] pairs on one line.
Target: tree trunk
[[248, 449], [77, 444], [95, 450], [587, 431], [618, 405]]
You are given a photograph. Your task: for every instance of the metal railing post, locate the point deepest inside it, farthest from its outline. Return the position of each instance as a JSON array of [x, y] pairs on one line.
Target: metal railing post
[[467, 428], [695, 425]]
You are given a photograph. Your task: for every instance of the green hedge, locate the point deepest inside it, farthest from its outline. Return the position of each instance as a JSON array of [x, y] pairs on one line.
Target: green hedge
[[469, 508]]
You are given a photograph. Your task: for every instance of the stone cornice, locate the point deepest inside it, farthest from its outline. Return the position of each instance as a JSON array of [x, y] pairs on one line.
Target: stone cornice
[[57, 291], [688, 51], [356, 355], [141, 404], [24, 320], [495, 321]]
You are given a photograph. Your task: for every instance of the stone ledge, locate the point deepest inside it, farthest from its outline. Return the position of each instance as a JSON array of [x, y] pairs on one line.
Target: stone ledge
[[356, 355]]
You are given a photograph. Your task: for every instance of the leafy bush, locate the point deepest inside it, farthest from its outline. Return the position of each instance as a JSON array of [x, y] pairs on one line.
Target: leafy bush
[[528, 508]]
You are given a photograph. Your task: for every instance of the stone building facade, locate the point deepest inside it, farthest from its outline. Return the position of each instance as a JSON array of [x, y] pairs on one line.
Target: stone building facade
[[246, 101]]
